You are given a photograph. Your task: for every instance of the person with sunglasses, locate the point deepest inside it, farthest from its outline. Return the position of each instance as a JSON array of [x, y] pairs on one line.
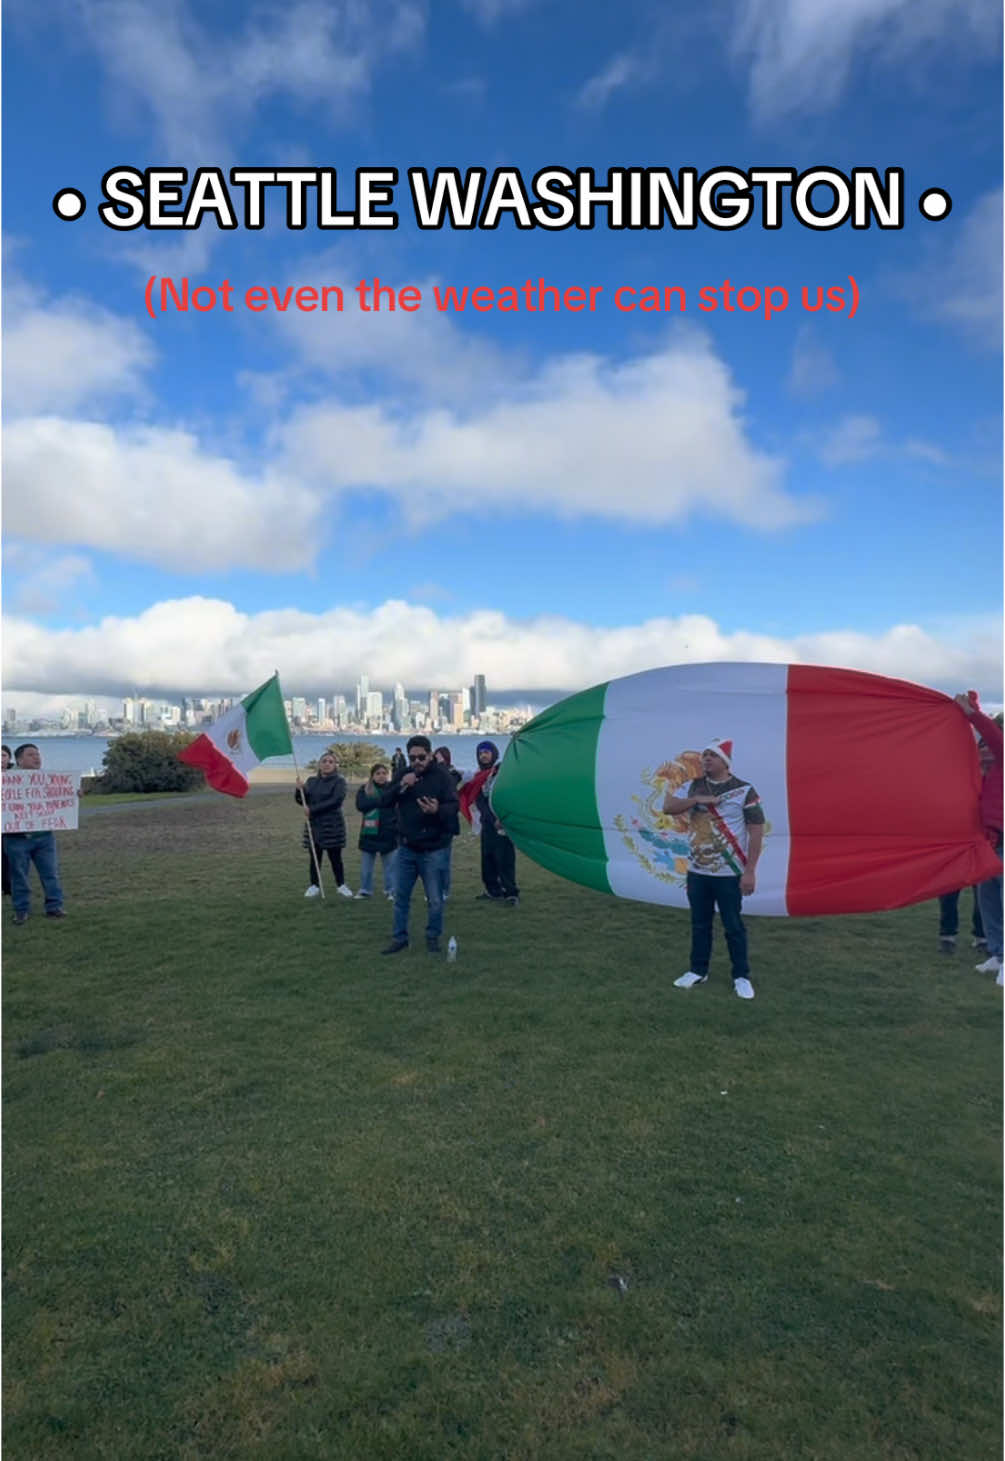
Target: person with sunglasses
[[426, 799]]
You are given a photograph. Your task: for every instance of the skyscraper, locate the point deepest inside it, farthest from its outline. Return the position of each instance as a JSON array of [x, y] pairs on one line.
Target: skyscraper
[[478, 701]]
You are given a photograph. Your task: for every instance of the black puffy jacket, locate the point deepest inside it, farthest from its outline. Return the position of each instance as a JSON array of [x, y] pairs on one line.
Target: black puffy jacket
[[324, 796]]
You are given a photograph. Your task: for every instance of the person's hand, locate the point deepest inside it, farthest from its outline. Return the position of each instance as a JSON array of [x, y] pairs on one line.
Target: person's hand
[[300, 783], [966, 704], [706, 799], [429, 804], [409, 779], [748, 882]]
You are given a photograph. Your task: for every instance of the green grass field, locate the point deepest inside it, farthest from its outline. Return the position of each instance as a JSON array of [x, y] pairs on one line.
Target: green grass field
[[270, 1195]]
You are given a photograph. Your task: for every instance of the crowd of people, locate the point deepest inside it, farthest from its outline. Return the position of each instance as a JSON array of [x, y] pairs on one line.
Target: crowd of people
[[411, 812], [410, 815]]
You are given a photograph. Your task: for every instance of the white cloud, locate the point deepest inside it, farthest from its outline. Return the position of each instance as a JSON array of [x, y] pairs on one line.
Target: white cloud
[[853, 439], [648, 440], [425, 349], [489, 11], [620, 71], [962, 284], [860, 439], [199, 86], [61, 354], [800, 52], [153, 494], [200, 645], [814, 369]]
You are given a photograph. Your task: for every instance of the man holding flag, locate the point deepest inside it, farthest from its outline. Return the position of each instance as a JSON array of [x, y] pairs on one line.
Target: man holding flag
[[726, 832]]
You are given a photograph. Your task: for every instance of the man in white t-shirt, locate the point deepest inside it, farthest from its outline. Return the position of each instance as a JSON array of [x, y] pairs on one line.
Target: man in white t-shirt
[[726, 832]]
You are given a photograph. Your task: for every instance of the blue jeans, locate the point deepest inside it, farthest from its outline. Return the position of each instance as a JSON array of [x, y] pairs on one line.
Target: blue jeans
[[989, 895], [367, 863], [39, 848], [949, 915], [704, 892], [429, 867]]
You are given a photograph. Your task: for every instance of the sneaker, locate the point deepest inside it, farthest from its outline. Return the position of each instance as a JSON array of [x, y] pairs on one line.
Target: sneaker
[[947, 944], [55, 913], [395, 947], [1001, 977], [20, 918], [390, 897], [432, 946], [345, 891], [313, 891], [743, 989], [361, 894], [513, 901], [488, 897], [689, 980], [990, 966], [979, 943]]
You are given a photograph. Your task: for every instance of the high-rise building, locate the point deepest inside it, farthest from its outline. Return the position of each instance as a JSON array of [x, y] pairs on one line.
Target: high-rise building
[[322, 709], [434, 707], [457, 708], [340, 710], [374, 708], [362, 691], [478, 701], [299, 709]]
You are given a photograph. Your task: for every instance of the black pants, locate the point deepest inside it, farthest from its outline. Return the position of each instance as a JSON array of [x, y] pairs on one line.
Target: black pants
[[949, 916], [335, 856], [498, 864], [705, 894]]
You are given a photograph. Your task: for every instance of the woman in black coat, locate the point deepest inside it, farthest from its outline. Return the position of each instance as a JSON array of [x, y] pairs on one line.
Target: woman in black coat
[[323, 796]]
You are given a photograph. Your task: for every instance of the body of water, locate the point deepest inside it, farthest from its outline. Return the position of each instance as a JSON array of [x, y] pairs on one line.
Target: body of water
[[84, 754]]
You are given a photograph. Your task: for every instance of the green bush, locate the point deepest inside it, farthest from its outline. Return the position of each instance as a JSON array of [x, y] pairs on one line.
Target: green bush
[[355, 757], [148, 761]]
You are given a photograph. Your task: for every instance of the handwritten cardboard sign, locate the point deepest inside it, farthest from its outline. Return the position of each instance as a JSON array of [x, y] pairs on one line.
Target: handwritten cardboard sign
[[39, 801]]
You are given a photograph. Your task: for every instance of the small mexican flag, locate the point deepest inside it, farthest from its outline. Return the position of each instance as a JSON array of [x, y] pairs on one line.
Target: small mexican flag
[[241, 738]]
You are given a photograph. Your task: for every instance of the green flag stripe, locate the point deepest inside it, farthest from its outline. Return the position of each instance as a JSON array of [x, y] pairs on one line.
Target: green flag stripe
[[547, 783], [265, 720]]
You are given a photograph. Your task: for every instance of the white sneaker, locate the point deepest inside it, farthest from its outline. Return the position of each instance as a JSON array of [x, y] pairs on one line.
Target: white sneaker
[[361, 894], [313, 891], [990, 966], [390, 897], [346, 892], [689, 980], [743, 988], [1001, 977]]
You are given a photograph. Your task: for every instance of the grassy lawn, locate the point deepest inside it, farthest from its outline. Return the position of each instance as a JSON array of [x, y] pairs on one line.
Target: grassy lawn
[[270, 1195]]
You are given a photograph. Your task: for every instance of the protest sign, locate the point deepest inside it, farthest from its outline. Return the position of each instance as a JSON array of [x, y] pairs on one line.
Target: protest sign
[[39, 801]]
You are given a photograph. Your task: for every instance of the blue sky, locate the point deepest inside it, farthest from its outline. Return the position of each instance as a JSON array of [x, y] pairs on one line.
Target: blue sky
[[549, 499]]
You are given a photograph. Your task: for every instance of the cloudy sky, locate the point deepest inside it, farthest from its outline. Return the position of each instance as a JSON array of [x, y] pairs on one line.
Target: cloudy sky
[[546, 498]]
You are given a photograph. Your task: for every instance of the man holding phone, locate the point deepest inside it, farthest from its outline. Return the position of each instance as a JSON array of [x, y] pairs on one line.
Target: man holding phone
[[426, 800]]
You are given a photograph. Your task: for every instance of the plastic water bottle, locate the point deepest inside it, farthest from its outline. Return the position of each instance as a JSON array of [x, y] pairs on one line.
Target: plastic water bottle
[[451, 950]]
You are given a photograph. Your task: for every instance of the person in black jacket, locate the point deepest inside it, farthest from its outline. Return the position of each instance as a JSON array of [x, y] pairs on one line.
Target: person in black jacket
[[442, 755], [498, 852], [323, 796], [378, 833], [427, 807]]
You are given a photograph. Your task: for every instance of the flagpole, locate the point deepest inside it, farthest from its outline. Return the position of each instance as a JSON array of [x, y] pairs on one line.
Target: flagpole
[[307, 817]]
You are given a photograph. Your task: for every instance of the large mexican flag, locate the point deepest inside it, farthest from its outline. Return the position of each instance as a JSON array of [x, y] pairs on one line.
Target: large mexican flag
[[242, 737], [869, 785]]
